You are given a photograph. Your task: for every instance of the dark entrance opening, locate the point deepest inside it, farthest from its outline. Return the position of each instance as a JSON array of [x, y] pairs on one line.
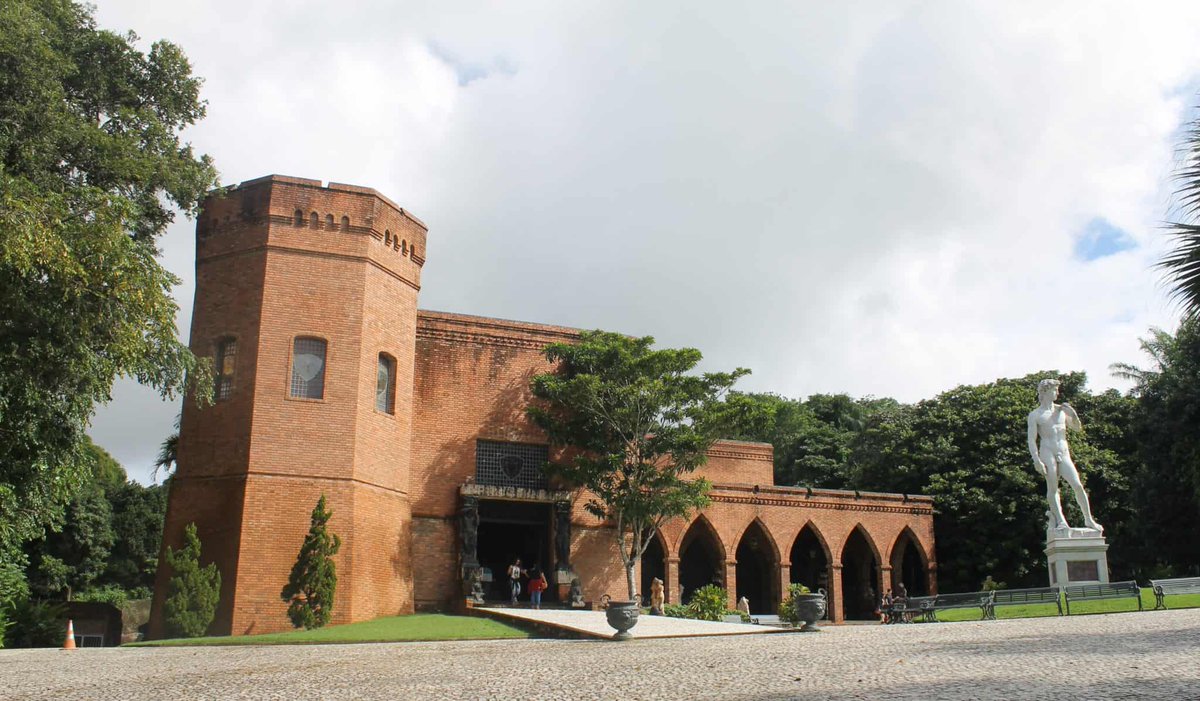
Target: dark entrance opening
[[654, 564], [810, 566], [700, 561], [757, 571], [509, 530], [860, 577], [908, 566]]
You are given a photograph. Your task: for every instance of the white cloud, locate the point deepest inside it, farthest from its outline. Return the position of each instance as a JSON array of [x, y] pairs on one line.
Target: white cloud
[[873, 198]]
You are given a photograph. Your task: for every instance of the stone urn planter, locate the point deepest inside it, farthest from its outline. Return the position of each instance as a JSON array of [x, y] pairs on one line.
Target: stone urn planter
[[809, 609], [622, 615]]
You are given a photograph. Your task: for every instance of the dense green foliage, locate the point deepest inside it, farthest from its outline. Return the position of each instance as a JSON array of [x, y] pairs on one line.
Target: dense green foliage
[[193, 591], [90, 167], [787, 607], [967, 449], [638, 423], [313, 582], [1167, 425]]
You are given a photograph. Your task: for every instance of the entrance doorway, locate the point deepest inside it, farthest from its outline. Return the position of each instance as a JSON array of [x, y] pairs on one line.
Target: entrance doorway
[[654, 564], [810, 566], [908, 566], [700, 560], [860, 577], [757, 571], [509, 530]]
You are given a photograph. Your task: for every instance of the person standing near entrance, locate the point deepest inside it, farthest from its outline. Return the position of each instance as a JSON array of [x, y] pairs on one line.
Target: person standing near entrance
[[537, 585], [514, 576]]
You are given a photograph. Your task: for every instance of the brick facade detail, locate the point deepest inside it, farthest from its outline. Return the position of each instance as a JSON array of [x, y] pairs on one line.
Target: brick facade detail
[[280, 258]]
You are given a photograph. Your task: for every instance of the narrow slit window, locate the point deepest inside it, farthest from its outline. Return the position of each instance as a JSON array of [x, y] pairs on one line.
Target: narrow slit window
[[345, 223], [385, 384], [314, 219], [299, 218], [225, 362], [308, 368]]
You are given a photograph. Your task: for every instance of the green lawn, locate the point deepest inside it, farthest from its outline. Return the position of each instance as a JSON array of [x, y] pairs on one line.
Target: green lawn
[[423, 626], [1083, 607]]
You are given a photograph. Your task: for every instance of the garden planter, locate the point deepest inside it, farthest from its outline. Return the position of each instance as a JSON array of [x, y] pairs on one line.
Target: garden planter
[[622, 615], [809, 609]]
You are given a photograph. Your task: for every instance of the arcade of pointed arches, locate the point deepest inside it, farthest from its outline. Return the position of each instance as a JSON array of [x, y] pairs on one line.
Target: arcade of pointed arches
[[754, 565]]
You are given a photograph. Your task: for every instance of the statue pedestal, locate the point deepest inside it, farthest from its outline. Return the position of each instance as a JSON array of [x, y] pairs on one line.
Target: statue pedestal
[[1076, 556]]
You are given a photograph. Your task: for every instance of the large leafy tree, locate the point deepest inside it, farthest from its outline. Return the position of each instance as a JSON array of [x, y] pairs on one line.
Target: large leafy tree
[[91, 169], [1167, 428], [638, 422], [1181, 266]]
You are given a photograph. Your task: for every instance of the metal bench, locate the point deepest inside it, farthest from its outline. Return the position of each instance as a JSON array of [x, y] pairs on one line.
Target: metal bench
[[1096, 592], [905, 610], [1016, 597], [969, 600], [1179, 585]]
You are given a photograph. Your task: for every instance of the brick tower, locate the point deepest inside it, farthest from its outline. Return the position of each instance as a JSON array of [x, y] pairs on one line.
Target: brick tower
[[306, 299]]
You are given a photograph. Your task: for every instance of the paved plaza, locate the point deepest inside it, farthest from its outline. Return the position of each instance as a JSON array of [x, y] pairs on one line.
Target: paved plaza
[[1152, 655], [594, 624]]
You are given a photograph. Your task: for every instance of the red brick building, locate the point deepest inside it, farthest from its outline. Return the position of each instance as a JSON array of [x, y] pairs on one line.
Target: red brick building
[[331, 381]]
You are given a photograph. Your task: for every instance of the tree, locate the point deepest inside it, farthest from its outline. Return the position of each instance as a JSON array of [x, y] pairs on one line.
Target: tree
[[311, 586], [137, 524], [638, 425], [193, 591], [91, 165], [1181, 266], [1167, 425], [75, 557]]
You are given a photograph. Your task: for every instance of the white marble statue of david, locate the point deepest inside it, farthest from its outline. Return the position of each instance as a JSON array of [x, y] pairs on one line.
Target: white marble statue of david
[[1048, 425]]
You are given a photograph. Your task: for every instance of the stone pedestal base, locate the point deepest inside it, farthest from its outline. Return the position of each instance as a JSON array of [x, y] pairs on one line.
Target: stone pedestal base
[[1076, 556]]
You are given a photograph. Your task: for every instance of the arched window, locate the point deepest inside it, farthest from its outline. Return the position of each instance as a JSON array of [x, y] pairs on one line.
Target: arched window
[[226, 356], [404, 247], [308, 368], [387, 237], [385, 384], [345, 223], [299, 218], [328, 221], [314, 219]]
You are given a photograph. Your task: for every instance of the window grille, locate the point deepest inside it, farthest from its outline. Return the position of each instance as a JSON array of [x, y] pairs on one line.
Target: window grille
[[511, 464], [308, 368], [226, 357], [385, 384]]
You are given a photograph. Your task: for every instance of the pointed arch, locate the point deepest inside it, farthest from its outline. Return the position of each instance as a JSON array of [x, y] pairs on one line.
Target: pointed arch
[[702, 558], [654, 564], [701, 521], [756, 574], [909, 564], [766, 533], [860, 575]]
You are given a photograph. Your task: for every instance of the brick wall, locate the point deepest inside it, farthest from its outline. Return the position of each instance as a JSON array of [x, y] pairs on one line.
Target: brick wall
[[279, 258]]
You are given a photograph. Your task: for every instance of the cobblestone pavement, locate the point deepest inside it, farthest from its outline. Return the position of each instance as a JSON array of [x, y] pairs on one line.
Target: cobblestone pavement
[[1152, 655]]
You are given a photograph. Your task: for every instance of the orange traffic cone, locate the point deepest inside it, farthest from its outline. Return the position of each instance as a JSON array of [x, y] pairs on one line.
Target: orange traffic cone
[[69, 643]]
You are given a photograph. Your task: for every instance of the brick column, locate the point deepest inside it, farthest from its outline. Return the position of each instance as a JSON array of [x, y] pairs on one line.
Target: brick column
[[885, 580], [931, 578], [672, 584], [837, 613], [731, 583], [785, 580]]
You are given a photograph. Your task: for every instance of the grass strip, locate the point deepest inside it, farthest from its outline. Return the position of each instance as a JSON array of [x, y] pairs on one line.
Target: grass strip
[[418, 627]]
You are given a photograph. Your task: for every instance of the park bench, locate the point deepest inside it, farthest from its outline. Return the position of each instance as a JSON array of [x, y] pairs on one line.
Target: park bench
[[968, 600], [1096, 592], [1016, 597], [903, 610], [1180, 585]]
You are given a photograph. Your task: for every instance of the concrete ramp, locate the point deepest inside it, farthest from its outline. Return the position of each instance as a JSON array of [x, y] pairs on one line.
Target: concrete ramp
[[593, 624]]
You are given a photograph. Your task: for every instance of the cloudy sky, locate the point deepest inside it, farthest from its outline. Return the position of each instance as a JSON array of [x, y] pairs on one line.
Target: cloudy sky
[[884, 199]]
